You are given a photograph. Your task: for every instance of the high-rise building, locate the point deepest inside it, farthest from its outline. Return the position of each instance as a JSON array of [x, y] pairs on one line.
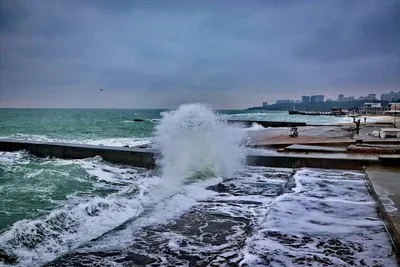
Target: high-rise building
[[284, 101], [265, 104], [371, 97], [343, 98], [305, 99], [319, 98], [392, 96]]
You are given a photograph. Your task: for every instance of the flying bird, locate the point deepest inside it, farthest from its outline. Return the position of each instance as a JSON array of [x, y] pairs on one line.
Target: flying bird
[[101, 89]]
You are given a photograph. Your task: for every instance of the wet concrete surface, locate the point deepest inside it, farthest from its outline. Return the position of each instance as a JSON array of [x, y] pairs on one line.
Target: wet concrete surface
[[386, 182], [317, 149], [259, 217]]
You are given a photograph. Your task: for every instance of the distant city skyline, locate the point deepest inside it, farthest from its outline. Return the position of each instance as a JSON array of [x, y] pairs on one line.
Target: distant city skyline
[[316, 98], [160, 54]]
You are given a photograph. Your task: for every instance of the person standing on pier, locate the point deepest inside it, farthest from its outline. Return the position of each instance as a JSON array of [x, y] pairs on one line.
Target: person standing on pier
[[358, 127]]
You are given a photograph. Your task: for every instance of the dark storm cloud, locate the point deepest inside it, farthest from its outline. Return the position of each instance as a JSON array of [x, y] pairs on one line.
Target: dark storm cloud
[[160, 53], [368, 34]]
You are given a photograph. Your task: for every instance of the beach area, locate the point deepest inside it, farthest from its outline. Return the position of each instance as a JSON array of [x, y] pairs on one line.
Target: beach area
[[314, 133]]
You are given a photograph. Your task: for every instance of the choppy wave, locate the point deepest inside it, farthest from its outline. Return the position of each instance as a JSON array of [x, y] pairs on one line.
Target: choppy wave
[[255, 127], [79, 217], [82, 218]]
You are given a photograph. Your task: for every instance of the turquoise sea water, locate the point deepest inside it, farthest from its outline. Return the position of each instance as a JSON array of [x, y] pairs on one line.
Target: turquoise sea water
[[108, 127], [113, 127]]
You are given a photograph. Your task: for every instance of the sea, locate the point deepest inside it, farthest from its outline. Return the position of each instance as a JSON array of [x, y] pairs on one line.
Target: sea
[[202, 206], [113, 127]]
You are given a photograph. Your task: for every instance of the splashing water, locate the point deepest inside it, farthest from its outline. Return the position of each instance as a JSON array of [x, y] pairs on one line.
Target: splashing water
[[195, 144]]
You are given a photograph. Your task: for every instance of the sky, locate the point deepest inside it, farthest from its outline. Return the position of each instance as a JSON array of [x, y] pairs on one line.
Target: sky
[[231, 54]]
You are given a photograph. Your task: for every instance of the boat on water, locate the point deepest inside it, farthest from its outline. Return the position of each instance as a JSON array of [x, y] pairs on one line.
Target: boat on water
[[155, 120]]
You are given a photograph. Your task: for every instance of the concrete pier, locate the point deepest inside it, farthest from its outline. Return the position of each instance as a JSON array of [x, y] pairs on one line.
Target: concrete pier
[[137, 157], [146, 158]]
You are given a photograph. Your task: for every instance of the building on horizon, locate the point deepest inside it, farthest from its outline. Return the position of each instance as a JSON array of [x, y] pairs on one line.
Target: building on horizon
[[317, 98], [305, 99], [343, 98], [264, 104], [284, 101], [394, 109], [369, 97], [392, 96], [298, 101], [373, 109]]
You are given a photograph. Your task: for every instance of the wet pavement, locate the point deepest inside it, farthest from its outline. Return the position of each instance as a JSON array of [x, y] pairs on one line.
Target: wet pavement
[[259, 217], [386, 182]]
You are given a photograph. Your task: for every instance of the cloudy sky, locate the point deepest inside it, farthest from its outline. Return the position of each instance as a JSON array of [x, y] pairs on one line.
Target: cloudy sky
[[228, 53]]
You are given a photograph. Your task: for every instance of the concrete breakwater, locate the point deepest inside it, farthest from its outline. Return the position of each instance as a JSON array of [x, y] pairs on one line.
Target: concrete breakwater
[[248, 124], [137, 157], [146, 158]]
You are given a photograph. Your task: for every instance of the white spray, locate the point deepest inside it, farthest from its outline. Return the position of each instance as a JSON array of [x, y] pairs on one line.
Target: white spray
[[195, 144]]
